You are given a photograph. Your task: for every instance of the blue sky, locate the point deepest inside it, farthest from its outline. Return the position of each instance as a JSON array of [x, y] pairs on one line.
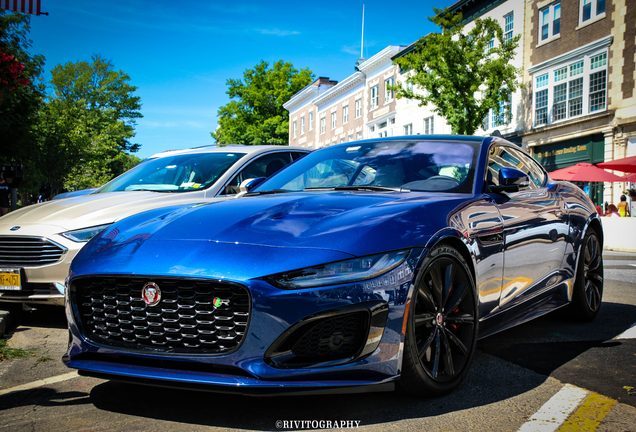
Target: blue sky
[[180, 53]]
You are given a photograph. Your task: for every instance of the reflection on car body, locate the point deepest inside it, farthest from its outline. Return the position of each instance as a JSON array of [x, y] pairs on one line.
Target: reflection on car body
[[361, 265]]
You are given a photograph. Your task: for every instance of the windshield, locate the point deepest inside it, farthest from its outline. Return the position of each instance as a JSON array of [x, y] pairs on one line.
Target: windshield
[[413, 165], [179, 173]]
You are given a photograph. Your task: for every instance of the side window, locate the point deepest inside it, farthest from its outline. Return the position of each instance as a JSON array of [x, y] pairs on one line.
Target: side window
[[532, 168], [264, 166], [501, 156]]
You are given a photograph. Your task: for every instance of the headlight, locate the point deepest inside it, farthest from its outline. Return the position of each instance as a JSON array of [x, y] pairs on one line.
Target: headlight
[[353, 270], [84, 234]]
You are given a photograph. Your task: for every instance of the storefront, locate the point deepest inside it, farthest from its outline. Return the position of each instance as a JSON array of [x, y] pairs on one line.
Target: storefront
[[563, 154]]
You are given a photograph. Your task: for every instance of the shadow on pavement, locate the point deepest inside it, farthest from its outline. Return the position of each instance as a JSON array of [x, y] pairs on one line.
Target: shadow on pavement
[[584, 354], [486, 383]]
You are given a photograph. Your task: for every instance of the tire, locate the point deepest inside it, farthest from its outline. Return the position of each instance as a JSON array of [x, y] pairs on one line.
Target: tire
[[587, 293], [441, 331]]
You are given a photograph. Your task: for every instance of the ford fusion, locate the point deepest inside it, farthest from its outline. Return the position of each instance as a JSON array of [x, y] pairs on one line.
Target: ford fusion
[[360, 267], [38, 242]]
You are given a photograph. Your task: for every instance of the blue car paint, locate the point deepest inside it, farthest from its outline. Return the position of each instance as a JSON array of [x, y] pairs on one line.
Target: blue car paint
[[244, 240]]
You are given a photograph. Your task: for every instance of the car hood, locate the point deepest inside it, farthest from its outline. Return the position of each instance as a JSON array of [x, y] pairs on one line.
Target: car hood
[[271, 232], [94, 209]]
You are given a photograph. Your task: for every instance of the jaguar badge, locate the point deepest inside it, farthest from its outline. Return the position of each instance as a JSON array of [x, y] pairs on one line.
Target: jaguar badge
[[15, 228], [151, 294]]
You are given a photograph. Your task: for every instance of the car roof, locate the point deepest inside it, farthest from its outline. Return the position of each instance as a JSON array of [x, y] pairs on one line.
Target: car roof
[[247, 149]]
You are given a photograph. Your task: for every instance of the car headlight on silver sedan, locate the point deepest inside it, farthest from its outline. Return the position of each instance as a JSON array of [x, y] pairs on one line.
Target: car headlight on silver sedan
[[352, 270], [85, 234]]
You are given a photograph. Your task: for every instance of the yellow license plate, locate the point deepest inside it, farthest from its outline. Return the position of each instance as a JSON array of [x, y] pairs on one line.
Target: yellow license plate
[[10, 279]]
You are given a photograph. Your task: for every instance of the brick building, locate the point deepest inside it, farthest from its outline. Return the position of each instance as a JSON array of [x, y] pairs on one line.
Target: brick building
[[579, 72]]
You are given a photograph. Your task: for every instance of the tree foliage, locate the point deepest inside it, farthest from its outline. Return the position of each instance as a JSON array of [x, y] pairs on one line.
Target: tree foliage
[[255, 114], [86, 126], [20, 104], [461, 76]]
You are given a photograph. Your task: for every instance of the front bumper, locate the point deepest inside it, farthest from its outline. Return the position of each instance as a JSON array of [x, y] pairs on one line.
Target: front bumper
[[41, 284], [251, 368]]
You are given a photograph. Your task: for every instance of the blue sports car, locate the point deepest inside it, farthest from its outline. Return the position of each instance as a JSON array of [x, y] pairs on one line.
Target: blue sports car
[[361, 266]]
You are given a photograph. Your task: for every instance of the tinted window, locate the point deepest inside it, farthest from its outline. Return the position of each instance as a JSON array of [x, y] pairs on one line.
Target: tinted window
[[264, 166]]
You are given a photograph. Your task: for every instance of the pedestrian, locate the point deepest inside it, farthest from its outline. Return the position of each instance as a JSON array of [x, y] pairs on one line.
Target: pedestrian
[[4, 195], [623, 209], [612, 211], [599, 210]]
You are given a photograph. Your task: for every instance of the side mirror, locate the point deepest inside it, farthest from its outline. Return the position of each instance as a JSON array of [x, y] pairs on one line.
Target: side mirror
[[511, 180], [249, 184]]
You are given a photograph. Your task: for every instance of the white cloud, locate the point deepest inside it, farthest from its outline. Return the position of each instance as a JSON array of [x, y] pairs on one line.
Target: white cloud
[[277, 32]]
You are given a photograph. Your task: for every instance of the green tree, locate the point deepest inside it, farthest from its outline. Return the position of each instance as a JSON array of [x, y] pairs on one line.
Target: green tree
[[462, 77], [85, 129], [20, 104], [255, 114]]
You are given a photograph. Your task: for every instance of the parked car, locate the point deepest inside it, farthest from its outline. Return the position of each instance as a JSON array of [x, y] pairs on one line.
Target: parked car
[[363, 264], [37, 243]]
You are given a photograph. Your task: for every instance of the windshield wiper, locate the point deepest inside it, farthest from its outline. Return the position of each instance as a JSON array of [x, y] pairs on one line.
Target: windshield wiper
[[268, 192], [361, 188]]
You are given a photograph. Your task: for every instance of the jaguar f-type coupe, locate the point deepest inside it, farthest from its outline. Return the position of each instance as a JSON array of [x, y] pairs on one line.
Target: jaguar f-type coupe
[[361, 266]]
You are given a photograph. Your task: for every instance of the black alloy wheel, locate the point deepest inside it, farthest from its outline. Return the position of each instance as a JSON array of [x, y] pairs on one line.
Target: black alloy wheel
[[588, 287], [442, 325]]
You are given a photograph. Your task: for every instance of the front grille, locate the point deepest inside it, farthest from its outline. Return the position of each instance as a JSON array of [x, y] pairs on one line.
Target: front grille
[[112, 312], [338, 336], [28, 251]]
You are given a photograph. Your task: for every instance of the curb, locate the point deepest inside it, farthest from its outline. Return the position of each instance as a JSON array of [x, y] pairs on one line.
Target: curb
[[6, 320]]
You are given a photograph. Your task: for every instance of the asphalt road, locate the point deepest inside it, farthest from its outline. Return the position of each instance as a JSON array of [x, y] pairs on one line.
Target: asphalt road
[[515, 374]]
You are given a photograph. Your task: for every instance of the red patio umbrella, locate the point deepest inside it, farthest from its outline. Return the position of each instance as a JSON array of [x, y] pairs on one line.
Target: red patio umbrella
[[630, 177], [585, 172], [626, 165]]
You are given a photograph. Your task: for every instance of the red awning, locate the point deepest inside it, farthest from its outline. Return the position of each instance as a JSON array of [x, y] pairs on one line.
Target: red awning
[[626, 165], [24, 6], [585, 172]]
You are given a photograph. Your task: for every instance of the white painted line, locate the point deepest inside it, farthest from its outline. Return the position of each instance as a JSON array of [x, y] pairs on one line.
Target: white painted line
[[630, 333], [555, 411], [40, 383]]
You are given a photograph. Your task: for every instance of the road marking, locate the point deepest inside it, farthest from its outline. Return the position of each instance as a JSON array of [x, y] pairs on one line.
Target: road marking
[[630, 333], [555, 411], [40, 383], [588, 417]]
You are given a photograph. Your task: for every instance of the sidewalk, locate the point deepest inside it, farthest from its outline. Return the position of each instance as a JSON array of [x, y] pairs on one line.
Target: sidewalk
[[619, 233]]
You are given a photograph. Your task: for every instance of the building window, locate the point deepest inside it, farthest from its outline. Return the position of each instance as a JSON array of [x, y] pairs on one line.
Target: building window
[[541, 105], [374, 97], [334, 119], [509, 24], [504, 113], [295, 126], [345, 114], [577, 89], [575, 97], [491, 45], [359, 136], [323, 124], [591, 9], [388, 93], [550, 22], [311, 121], [358, 108], [597, 90], [350, 137], [408, 129], [302, 125], [429, 126]]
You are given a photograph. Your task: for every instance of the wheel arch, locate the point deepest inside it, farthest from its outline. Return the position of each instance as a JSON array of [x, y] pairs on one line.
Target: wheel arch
[[455, 239]]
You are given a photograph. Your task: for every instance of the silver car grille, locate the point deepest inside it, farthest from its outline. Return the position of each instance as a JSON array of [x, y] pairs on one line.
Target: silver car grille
[[21, 251]]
